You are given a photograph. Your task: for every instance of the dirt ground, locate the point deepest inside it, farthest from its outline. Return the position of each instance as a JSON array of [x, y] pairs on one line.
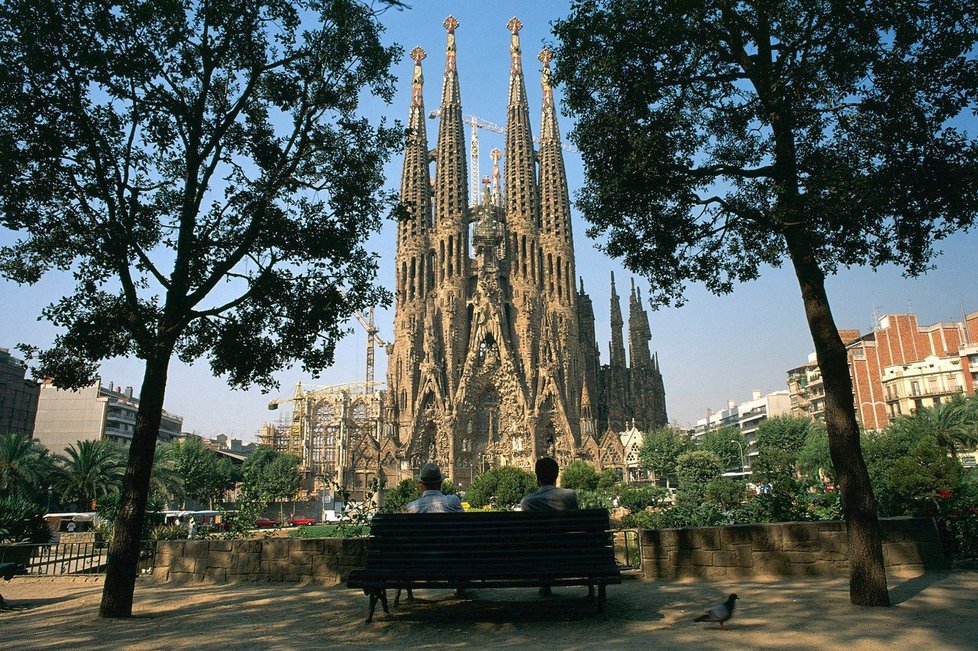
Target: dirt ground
[[934, 611]]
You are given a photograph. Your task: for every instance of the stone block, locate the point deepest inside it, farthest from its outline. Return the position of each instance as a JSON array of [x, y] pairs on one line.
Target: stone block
[[245, 563], [765, 538], [353, 546], [219, 559], [200, 565], [220, 545], [216, 575], [798, 536], [301, 558], [701, 557], [325, 565], [309, 545], [702, 538], [736, 535], [830, 525], [681, 558], [771, 564], [275, 570], [933, 555], [195, 548], [274, 549], [243, 546], [181, 577], [161, 574], [909, 529], [803, 558], [901, 553], [745, 556], [183, 565], [669, 538], [167, 549], [725, 559]]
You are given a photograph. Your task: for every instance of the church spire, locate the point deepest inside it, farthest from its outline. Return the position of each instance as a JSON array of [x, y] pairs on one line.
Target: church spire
[[617, 353], [521, 191], [450, 173], [415, 189]]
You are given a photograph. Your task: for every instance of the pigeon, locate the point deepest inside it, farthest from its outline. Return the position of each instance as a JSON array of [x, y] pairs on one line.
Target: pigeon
[[720, 613]]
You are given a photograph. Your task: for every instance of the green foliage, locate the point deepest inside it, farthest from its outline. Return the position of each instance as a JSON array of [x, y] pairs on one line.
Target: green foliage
[[88, 472], [206, 475], [913, 482], [22, 519], [637, 497], [725, 493], [785, 434], [695, 514], [271, 475], [398, 497], [502, 487], [608, 478], [26, 470], [953, 424], [579, 475], [448, 487], [814, 459], [695, 470], [660, 450], [646, 520], [593, 499], [165, 482], [727, 443]]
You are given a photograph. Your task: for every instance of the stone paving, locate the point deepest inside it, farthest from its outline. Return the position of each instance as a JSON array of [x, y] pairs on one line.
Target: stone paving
[[932, 611]]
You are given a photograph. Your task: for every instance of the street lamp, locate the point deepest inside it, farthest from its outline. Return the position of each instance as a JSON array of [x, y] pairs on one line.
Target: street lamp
[[740, 445]]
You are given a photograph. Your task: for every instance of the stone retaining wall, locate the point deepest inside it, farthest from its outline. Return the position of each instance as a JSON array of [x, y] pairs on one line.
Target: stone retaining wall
[[325, 561], [910, 546]]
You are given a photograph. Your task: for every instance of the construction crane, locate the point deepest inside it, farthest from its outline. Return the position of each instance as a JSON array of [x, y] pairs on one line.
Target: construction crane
[[475, 173], [372, 337]]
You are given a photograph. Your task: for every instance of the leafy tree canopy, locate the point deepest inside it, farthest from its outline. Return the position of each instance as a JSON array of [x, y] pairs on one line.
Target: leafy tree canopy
[[695, 470], [503, 487], [786, 434], [660, 449], [579, 475], [727, 443]]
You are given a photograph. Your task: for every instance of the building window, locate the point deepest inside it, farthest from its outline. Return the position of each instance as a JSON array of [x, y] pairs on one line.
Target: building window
[[915, 388]]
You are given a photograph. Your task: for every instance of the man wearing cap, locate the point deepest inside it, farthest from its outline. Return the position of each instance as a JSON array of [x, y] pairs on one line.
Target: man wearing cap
[[548, 497], [432, 500]]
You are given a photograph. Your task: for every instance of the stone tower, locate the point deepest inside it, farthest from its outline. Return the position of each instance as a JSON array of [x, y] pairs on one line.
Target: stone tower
[[494, 360]]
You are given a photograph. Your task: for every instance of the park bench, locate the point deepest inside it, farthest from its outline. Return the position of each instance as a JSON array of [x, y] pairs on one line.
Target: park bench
[[487, 550]]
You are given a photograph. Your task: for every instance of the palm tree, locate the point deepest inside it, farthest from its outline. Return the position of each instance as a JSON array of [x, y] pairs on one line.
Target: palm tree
[[952, 423], [165, 481], [25, 468], [88, 472]]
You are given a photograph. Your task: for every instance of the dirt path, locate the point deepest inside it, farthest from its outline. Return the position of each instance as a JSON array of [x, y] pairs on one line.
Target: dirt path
[[935, 611]]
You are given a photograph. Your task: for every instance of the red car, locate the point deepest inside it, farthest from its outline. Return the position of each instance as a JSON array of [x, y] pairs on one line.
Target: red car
[[262, 523], [301, 521]]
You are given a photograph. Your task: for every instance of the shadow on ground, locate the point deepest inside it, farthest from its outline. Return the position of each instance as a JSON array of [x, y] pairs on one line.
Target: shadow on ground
[[933, 611]]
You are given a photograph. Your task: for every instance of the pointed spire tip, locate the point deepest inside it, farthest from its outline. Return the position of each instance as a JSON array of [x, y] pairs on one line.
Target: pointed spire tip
[[514, 25], [451, 24], [419, 55]]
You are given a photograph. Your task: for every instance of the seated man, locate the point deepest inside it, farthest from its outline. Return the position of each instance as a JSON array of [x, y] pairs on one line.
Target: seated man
[[548, 497], [432, 500]]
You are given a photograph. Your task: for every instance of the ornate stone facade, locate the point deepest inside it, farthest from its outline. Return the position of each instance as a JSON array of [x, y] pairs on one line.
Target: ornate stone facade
[[494, 360]]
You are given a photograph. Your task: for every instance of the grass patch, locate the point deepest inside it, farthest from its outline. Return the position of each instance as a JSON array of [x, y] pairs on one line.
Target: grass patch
[[330, 531]]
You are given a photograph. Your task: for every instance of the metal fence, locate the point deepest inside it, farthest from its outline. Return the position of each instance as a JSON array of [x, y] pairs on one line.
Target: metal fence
[[69, 558], [627, 552]]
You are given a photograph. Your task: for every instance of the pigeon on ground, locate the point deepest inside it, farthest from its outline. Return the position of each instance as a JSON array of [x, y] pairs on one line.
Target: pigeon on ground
[[720, 613]]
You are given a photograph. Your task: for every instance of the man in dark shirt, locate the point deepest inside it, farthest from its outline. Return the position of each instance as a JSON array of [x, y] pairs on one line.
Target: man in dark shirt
[[548, 497]]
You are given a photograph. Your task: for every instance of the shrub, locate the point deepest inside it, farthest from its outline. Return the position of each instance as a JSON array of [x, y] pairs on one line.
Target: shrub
[[593, 500], [579, 476], [502, 487], [637, 498]]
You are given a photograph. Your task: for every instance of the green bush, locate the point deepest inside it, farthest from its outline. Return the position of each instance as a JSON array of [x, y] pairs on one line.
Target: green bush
[[593, 500], [646, 520], [580, 476], [608, 478], [502, 487], [725, 493], [637, 498], [22, 520]]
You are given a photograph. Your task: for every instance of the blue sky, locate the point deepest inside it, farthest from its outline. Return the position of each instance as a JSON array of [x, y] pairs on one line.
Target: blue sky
[[711, 350]]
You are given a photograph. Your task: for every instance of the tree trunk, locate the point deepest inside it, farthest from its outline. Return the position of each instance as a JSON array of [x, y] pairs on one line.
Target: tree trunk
[[867, 575], [120, 576]]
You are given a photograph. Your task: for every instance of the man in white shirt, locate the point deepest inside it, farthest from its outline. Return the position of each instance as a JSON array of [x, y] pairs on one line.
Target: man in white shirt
[[432, 500]]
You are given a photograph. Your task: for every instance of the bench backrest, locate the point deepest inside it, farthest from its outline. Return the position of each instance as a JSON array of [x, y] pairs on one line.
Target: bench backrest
[[492, 544]]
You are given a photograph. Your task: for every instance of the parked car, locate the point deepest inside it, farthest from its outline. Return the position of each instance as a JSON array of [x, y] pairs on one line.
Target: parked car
[[301, 521], [262, 523]]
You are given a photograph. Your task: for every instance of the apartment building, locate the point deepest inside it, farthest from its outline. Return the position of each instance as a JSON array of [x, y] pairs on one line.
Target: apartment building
[[92, 413]]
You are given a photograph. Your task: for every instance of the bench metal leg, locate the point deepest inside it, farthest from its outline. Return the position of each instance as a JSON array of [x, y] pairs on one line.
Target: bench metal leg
[[376, 595], [601, 597], [590, 592], [373, 605]]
